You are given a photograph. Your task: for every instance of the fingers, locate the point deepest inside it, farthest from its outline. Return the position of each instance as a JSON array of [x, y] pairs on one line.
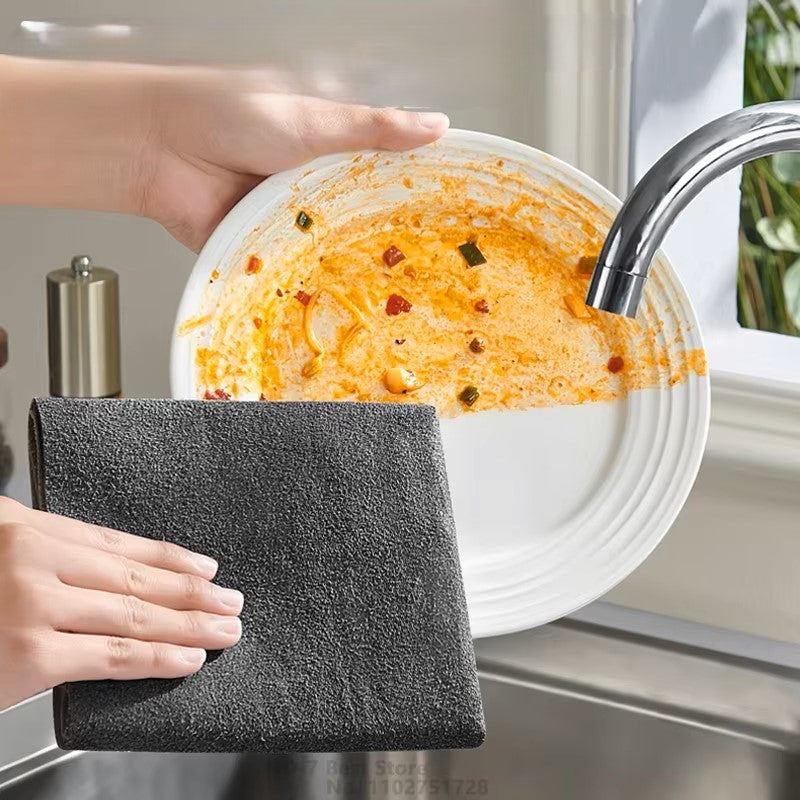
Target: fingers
[[104, 613], [92, 569], [79, 657], [153, 552], [149, 611], [327, 127]]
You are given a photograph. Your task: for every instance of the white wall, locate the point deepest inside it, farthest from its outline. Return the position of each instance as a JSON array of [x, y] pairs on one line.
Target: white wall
[[688, 70]]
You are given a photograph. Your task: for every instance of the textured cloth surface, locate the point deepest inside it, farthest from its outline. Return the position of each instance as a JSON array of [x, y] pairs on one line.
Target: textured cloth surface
[[334, 519]]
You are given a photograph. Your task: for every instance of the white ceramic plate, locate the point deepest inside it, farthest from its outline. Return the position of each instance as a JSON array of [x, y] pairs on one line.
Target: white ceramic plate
[[553, 506]]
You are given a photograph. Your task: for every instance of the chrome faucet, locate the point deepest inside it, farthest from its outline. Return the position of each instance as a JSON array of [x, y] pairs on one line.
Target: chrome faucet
[[646, 216]]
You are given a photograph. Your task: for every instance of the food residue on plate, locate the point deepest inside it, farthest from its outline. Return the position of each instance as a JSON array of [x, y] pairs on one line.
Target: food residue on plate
[[483, 289]]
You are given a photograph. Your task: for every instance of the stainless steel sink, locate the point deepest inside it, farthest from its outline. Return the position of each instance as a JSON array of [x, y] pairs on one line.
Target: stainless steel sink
[[574, 712]]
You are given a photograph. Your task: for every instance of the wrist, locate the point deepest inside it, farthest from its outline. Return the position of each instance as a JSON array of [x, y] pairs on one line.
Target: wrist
[[75, 135]]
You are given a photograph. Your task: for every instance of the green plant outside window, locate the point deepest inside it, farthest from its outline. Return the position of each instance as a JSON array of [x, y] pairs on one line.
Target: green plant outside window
[[769, 233]]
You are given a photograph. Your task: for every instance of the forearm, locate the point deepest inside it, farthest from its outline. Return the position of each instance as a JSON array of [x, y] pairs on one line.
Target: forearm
[[74, 135], [180, 145]]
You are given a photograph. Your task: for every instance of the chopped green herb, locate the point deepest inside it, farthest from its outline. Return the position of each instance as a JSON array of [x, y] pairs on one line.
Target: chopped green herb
[[472, 255], [303, 221], [469, 395]]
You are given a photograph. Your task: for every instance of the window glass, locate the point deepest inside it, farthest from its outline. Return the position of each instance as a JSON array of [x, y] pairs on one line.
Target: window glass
[[769, 231]]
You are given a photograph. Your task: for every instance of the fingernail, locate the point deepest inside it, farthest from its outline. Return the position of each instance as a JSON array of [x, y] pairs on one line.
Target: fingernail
[[193, 655], [229, 627], [207, 566], [230, 598], [432, 119]]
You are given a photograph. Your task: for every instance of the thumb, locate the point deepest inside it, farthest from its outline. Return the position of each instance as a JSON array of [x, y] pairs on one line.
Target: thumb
[[327, 127]]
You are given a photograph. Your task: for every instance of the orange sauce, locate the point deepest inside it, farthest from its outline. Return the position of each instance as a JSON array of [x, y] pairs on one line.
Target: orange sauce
[[540, 344]]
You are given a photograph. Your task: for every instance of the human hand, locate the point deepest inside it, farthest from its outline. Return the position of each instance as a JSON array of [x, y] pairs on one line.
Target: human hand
[[215, 138], [179, 145], [81, 602]]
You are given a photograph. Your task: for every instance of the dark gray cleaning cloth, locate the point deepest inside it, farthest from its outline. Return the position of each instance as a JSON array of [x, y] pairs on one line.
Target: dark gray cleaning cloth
[[334, 519]]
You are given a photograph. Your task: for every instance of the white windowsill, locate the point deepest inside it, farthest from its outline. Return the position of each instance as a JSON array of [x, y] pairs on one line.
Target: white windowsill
[[757, 354], [755, 423]]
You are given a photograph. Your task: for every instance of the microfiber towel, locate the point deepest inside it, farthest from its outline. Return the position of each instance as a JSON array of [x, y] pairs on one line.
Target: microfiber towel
[[333, 519]]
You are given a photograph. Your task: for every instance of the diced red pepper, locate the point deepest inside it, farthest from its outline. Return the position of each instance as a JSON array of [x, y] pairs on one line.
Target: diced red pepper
[[279, 293], [397, 305], [217, 394], [304, 298], [254, 264], [262, 396], [482, 307], [615, 364], [258, 322], [393, 256]]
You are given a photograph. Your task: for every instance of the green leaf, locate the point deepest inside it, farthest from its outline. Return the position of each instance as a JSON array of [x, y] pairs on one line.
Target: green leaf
[[791, 292], [783, 47], [757, 252], [787, 167], [779, 233]]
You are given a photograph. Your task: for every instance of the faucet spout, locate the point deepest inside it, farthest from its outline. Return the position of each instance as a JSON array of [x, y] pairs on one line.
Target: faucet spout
[[678, 176]]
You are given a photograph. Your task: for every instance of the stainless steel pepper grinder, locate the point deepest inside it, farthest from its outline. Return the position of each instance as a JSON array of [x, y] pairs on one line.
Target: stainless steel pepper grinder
[[83, 330]]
